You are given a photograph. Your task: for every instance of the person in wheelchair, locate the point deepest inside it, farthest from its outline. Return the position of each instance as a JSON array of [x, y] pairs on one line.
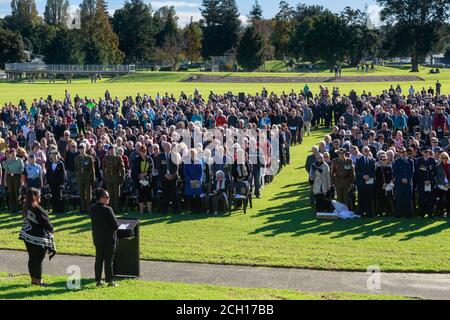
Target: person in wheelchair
[[218, 194], [241, 173]]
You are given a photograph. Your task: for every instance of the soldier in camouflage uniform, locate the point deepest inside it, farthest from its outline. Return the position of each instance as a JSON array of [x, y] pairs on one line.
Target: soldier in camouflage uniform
[[342, 176], [113, 169], [85, 176]]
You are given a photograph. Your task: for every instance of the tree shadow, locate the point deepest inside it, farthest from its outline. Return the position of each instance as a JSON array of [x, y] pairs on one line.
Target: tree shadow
[[27, 291], [296, 217]]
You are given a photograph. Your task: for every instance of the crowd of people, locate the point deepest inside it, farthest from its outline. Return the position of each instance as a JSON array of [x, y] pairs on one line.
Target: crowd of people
[[386, 154], [186, 153]]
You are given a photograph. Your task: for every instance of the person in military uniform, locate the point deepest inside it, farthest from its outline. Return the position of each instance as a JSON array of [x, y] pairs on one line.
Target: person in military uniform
[[85, 176], [425, 173], [403, 170], [342, 176], [113, 169], [14, 167]]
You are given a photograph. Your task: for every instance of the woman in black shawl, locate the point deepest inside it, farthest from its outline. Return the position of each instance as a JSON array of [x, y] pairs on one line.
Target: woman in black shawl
[[37, 233]]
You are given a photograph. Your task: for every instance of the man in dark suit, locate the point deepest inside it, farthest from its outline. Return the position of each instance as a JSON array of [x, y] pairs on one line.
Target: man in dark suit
[[365, 181], [104, 234], [168, 168]]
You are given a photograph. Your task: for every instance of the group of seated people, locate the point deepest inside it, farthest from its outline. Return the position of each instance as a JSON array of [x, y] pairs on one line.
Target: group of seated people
[[189, 153], [386, 155]]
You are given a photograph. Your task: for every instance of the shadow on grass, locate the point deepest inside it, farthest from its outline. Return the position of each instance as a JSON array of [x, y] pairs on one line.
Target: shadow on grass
[[296, 217], [27, 291]]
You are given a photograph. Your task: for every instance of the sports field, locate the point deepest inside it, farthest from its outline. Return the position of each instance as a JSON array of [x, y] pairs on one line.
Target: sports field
[[171, 82], [280, 230]]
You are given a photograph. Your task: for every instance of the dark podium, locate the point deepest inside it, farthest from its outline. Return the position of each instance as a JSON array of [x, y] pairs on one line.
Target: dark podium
[[127, 257]]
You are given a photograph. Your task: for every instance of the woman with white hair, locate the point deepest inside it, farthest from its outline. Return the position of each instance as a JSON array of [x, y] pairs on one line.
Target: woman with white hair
[[218, 193], [321, 183]]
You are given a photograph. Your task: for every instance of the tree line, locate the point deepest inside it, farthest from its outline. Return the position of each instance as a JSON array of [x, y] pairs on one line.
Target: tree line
[[137, 34]]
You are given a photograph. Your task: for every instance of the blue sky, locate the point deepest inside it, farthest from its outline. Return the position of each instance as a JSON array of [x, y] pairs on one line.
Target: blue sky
[[190, 8]]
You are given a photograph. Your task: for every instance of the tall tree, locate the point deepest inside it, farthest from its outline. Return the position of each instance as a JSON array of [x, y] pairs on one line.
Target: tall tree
[[166, 24], [63, 48], [230, 24], [101, 44], [283, 29], [303, 19], [256, 14], [250, 52], [134, 25], [11, 47], [364, 42], [417, 25], [192, 36], [211, 28], [56, 12], [24, 17], [328, 39]]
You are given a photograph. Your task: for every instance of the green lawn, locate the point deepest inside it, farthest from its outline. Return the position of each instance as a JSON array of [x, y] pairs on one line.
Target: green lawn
[[154, 82], [280, 230], [17, 287]]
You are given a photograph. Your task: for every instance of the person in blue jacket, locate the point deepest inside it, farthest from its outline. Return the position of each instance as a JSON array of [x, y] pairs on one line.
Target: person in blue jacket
[[403, 170], [192, 176]]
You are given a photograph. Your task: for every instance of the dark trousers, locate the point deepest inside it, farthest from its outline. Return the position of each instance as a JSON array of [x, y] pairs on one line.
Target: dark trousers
[[13, 184], [366, 197], [36, 255], [426, 202], [384, 203], [34, 183], [403, 200], [104, 255], [257, 179], [294, 137], [170, 194], [85, 195], [443, 201], [57, 198], [323, 203]]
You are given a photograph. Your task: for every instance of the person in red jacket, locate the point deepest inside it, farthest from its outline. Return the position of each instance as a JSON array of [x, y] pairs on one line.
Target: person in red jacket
[[221, 119], [439, 122]]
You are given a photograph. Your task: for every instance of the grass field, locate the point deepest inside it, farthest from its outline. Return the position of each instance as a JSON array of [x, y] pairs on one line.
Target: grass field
[[17, 287], [280, 230], [154, 82]]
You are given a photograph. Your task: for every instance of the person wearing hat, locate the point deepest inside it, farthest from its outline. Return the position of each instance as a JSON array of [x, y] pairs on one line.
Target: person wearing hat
[[56, 178], [403, 170], [85, 176], [425, 177], [342, 176], [14, 167], [113, 169]]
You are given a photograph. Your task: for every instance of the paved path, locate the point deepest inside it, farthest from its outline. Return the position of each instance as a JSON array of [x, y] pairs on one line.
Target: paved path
[[426, 286]]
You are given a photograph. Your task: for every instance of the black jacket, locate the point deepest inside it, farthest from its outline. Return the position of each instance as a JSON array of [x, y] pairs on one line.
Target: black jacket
[[58, 176], [104, 225]]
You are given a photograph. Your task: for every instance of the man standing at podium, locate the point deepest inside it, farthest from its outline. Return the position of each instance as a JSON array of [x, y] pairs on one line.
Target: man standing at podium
[[104, 234]]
